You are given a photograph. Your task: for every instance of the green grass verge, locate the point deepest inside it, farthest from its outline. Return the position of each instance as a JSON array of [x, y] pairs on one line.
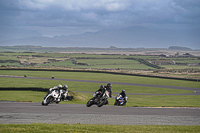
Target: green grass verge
[[36, 96], [22, 96], [84, 86], [163, 101], [102, 77], [133, 100], [82, 128]]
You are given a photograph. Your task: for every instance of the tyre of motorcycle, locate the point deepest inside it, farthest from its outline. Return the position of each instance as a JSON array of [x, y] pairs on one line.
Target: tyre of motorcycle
[[90, 102], [49, 100], [116, 103], [101, 103]]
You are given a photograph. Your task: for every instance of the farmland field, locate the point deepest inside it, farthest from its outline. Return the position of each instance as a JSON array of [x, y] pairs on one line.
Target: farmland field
[[151, 63], [92, 59]]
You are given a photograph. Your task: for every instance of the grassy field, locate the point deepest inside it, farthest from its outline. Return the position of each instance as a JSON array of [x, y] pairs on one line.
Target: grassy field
[[133, 100], [82, 98], [101, 77], [121, 64], [126, 63], [93, 61], [82, 128]]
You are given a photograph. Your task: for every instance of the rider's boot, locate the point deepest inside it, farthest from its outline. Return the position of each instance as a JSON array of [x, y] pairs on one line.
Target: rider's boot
[[106, 102], [62, 98]]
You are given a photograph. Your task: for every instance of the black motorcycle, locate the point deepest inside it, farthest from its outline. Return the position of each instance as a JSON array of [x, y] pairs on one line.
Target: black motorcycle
[[99, 101]]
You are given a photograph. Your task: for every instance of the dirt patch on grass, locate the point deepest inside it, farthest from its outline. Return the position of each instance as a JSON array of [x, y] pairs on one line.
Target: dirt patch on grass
[[77, 96]]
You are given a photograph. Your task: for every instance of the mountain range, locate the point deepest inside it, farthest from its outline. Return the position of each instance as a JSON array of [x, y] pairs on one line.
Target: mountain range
[[130, 37]]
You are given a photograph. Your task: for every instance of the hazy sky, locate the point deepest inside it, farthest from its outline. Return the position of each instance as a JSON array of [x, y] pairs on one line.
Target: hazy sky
[[65, 17]]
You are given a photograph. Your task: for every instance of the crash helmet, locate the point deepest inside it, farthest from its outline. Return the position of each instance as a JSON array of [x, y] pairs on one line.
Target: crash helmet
[[101, 86], [109, 85], [65, 87], [123, 91], [59, 86]]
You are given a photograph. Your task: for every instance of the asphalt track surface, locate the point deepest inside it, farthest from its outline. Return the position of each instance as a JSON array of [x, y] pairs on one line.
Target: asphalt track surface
[[16, 112], [19, 112]]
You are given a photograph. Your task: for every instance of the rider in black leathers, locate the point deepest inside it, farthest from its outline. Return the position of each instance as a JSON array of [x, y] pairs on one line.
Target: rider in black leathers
[[108, 88], [98, 92], [123, 94]]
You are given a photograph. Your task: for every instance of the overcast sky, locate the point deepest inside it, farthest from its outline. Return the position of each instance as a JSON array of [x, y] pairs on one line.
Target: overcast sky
[[65, 17]]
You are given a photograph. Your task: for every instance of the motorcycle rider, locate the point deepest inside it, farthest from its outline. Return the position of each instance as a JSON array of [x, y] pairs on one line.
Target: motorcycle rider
[[123, 94], [63, 90], [56, 88], [103, 89], [98, 92], [108, 88]]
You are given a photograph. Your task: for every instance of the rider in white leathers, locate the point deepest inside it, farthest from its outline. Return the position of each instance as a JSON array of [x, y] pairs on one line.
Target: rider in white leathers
[[63, 90]]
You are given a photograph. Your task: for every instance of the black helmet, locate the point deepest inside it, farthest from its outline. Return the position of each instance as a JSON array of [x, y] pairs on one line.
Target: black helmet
[[101, 86], [123, 90], [109, 85]]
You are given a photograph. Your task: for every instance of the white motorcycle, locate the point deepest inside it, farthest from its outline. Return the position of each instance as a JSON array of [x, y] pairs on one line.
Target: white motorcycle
[[51, 97]]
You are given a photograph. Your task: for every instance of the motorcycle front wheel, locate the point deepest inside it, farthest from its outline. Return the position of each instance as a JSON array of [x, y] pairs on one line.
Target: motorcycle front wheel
[[89, 103], [49, 99]]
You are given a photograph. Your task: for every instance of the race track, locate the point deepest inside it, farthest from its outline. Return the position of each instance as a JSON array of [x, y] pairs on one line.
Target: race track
[[196, 90], [16, 112], [19, 112]]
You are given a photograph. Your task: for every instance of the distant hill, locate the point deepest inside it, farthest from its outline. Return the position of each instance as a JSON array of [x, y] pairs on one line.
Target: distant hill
[[31, 48], [133, 37], [179, 48], [7, 33]]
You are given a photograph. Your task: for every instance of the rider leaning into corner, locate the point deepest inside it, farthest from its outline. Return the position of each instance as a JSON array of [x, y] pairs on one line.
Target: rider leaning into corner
[[123, 94], [99, 93], [63, 90], [108, 88]]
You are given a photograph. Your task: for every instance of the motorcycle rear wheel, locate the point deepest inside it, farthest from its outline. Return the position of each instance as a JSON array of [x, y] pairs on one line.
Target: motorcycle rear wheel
[[101, 103], [116, 103]]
